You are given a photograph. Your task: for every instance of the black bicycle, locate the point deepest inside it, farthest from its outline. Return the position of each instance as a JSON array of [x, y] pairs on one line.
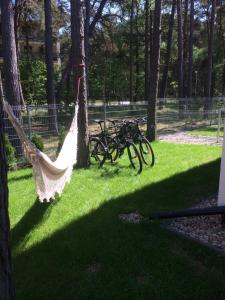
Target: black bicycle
[[139, 138], [101, 146], [131, 129], [106, 146]]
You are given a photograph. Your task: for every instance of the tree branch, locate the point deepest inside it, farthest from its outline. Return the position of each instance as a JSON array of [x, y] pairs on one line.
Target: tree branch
[[97, 16]]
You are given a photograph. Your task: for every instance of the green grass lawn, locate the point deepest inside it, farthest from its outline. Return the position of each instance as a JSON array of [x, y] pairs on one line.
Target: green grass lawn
[[77, 248], [209, 131]]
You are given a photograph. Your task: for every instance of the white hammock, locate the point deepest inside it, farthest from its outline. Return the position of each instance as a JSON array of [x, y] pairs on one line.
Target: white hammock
[[50, 177]]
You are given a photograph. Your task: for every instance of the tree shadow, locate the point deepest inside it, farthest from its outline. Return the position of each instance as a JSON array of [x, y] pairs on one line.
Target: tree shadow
[[34, 217], [18, 178], [100, 257]]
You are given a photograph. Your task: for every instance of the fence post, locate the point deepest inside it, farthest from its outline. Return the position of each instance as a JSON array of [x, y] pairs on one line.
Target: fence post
[[29, 122], [186, 113], [219, 125], [105, 112]]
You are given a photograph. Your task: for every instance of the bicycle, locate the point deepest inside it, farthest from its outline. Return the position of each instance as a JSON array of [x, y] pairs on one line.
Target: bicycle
[[131, 129], [104, 145], [145, 147], [123, 141]]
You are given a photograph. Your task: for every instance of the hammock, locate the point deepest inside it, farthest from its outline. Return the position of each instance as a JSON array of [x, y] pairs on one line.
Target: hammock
[[50, 177]]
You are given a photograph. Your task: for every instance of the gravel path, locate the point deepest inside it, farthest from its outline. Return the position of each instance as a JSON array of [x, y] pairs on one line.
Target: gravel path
[[206, 229], [186, 138]]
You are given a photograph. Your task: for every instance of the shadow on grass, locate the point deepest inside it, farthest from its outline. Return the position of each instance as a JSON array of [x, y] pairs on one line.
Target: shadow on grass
[[100, 257], [33, 218], [18, 178]]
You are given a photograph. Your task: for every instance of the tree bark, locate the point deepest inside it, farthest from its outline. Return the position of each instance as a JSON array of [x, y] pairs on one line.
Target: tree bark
[[97, 16], [68, 68], [154, 75], [180, 50], [137, 66], [12, 87], [147, 50], [185, 47], [162, 92], [190, 63], [7, 288], [131, 54], [78, 50], [49, 65], [86, 41], [210, 49]]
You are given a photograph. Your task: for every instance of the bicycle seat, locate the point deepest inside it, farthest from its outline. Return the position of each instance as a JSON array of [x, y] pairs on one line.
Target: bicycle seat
[[99, 121]]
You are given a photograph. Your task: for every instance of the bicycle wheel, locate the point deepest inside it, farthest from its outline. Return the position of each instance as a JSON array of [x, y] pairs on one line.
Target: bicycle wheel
[[134, 157], [146, 151], [97, 152], [113, 148]]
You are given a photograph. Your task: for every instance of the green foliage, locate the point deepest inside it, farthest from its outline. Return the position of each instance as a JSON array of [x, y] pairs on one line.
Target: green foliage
[[62, 135], [10, 152], [33, 77], [38, 141]]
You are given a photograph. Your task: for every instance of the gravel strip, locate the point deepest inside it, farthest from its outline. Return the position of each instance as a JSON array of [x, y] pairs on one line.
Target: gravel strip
[[133, 217], [185, 138], [205, 229]]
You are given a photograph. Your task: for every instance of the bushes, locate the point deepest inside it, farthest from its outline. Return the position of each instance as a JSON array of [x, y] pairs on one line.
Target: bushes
[[37, 141], [10, 152], [62, 135], [33, 78]]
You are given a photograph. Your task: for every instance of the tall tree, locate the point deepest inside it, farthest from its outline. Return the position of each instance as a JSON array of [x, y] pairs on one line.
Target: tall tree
[[68, 69], [131, 52], [12, 87], [154, 75], [137, 50], [49, 64], [162, 91], [180, 49], [185, 46], [7, 289], [190, 63], [210, 49], [78, 53], [147, 50]]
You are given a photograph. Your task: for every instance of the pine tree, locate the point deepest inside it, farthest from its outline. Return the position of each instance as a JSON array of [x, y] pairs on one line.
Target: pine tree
[[78, 52], [154, 75]]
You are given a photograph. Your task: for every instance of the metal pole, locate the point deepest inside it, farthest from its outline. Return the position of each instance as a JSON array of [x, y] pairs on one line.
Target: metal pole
[[219, 125], [29, 122]]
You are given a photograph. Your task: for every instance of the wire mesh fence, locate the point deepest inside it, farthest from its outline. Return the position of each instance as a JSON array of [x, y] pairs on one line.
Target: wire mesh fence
[[205, 116]]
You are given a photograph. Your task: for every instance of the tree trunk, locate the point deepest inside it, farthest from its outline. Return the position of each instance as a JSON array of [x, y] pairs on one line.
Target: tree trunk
[[154, 75], [65, 75], [190, 63], [185, 47], [12, 88], [7, 288], [210, 49], [147, 44], [90, 30], [131, 54], [137, 66], [180, 57], [86, 41], [52, 112], [162, 92], [78, 50], [180, 49]]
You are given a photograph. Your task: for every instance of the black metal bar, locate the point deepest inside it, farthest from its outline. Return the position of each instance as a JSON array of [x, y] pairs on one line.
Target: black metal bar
[[189, 212]]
